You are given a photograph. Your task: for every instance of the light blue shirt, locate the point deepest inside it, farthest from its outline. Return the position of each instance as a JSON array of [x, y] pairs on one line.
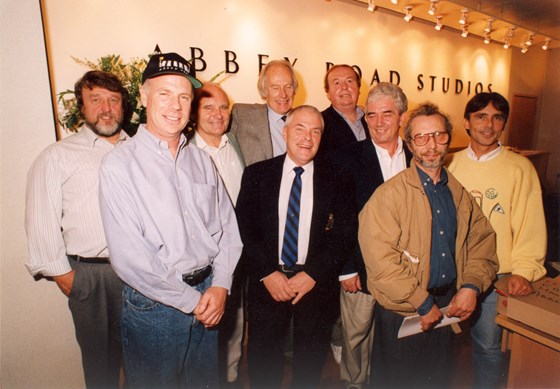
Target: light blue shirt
[[276, 125], [357, 127], [165, 217]]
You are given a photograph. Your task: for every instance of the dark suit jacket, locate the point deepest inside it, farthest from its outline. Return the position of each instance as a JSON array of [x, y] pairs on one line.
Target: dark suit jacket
[[337, 133], [360, 160], [249, 124], [334, 223]]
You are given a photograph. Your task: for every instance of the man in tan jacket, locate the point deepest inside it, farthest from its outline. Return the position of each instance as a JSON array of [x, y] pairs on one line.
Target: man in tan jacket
[[427, 246]]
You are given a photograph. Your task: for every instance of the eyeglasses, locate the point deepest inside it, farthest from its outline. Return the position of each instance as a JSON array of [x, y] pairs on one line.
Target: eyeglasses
[[441, 138]]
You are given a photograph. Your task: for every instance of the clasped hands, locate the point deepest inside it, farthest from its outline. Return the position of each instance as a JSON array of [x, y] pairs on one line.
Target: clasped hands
[[282, 288], [462, 306]]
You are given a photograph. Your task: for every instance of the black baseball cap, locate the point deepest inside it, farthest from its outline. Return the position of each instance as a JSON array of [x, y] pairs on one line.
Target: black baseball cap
[[170, 63]]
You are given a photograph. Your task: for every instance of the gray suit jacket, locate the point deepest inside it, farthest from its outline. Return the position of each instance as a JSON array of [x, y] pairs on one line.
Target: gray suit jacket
[[249, 124]]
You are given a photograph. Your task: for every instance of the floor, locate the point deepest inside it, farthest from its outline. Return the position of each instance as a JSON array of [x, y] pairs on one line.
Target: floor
[[462, 377]]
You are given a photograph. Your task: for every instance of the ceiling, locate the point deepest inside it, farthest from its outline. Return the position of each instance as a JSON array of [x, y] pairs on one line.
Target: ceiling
[[538, 17]]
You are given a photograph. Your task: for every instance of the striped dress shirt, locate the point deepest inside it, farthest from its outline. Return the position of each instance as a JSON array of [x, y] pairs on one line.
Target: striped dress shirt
[[62, 204]]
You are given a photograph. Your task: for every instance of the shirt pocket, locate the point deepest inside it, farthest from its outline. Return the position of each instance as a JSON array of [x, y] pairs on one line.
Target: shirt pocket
[[206, 202]]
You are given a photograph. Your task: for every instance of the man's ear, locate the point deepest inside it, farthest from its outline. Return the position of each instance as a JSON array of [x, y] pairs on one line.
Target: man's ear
[[144, 95]]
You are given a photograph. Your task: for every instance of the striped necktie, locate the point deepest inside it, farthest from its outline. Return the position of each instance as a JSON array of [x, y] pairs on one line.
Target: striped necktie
[[290, 244]]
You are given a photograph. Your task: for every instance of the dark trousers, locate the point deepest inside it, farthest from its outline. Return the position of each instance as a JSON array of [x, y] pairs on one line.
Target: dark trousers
[[269, 322], [423, 360], [95, 302]]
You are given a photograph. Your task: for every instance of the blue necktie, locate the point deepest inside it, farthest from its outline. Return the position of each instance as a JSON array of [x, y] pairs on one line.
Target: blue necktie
[[290, 244]]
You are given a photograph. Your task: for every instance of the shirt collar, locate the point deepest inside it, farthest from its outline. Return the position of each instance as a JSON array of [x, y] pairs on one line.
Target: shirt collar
[[381, 150], [426, 179], [289, 166], [146, 136], [485, 157], [359, 113], [273, 115], [92, 138], [201, 143]]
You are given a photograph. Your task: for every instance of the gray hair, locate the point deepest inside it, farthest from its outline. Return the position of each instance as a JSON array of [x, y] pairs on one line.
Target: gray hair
[[390, 90]]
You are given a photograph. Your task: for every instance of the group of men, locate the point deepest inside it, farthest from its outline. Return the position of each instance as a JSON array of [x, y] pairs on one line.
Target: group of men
[[311, 220]]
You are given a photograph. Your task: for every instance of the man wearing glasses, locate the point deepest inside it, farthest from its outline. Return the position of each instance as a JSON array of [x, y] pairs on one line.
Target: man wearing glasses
[[509, 193], [427, 246]]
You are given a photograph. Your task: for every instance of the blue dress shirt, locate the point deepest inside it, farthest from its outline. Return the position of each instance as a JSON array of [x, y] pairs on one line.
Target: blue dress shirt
[[165, 217]]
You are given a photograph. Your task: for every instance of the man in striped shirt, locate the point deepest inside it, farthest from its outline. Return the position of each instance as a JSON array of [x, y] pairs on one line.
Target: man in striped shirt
[[63, 223]]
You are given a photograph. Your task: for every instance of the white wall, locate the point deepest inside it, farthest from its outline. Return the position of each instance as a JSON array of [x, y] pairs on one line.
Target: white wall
[[549, 127], [313, 31], [38, 349]]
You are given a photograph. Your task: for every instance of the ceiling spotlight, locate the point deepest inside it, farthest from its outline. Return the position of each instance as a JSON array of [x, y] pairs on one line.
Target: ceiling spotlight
[[395, 2], [486, 38], [509, 37], [524, 48], [529, 41], [438, 26], [465, 32], [432, 10], [408, 16], [546, 44], [488, 27], [463, 19]]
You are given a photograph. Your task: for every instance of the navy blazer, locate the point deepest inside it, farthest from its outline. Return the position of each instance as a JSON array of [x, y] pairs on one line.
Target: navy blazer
[[360, 160], [334, 223], [337, 133]]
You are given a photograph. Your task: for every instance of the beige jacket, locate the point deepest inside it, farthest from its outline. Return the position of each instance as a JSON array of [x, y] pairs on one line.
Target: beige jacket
[[395, 239]]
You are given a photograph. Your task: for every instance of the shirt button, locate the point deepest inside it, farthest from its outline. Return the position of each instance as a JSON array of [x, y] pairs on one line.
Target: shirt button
[[443, 254], [437, 211], [443, 276], [441, 232]]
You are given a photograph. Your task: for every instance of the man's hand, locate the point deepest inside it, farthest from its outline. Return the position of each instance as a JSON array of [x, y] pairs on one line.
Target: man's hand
[[519, 286], [351, 285], [463, 304], [210, 307], [429, 320], [65, 282], [277, 285], [301, 284]]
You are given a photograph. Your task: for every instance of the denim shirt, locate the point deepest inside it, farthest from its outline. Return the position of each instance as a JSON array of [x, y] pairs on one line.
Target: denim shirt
[[444, 232]]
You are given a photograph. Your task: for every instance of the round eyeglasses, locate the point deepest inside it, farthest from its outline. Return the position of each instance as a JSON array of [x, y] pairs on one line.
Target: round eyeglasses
[[441, 138]]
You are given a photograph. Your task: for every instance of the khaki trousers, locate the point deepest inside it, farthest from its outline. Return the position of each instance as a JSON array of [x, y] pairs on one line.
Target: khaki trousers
[[356, 311]]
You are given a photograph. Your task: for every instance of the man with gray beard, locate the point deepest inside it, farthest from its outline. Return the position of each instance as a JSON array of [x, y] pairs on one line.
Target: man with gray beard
[[65, 235], [429, 251]]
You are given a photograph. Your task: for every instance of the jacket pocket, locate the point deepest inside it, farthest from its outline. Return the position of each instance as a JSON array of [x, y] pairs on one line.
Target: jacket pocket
[[411, 261]]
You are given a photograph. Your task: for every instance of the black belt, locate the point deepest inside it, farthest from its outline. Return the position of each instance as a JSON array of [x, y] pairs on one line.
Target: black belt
[[441, 290], [197, 276], [290, 270], [77, 258]]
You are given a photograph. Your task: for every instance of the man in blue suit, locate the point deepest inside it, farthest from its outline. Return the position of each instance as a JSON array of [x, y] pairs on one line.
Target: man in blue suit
[[344, 121], [301, 287]]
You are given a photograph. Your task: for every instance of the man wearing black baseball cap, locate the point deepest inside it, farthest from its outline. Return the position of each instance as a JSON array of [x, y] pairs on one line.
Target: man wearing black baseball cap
[[173, 238]]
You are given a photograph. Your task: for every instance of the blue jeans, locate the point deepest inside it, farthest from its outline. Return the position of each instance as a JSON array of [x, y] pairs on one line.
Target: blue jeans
[[164, 347], [486, 337]]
